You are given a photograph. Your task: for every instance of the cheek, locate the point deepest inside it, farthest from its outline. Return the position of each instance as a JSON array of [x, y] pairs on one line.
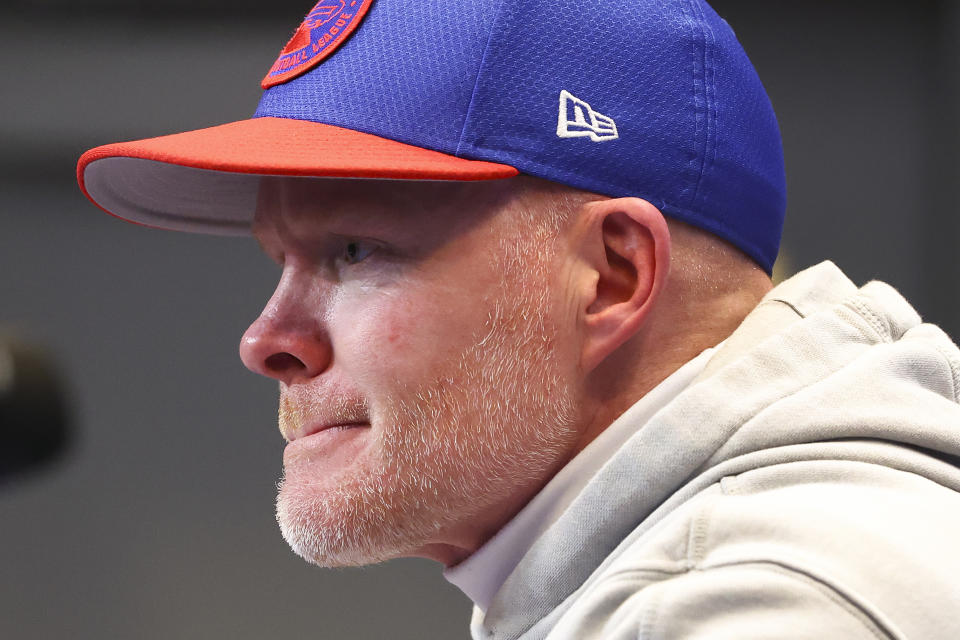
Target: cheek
[[378, 337], [407, 337]]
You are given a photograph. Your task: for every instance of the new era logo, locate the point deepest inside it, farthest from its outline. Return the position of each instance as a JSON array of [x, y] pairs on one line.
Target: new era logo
[[578, 120]]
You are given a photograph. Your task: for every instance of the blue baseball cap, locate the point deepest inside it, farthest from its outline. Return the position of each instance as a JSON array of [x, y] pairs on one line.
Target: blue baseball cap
[[647, 98]]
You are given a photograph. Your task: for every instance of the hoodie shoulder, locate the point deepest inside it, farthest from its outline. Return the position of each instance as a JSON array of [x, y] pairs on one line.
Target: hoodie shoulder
[[822, 544], [879, 536]]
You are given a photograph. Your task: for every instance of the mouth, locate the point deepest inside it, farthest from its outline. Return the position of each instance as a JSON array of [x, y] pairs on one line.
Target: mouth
[[320, 427], [333, 445]]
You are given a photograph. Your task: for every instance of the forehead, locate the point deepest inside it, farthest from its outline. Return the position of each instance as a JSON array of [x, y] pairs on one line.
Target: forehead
[[303, 205]]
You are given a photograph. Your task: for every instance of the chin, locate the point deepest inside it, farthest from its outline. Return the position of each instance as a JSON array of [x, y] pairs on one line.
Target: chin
[[344, 527]]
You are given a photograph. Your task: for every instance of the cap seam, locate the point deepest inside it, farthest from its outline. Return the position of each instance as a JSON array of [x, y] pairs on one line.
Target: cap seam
[[699, 84], [431, 142], [690, 25], [476, 81], [711, 103]]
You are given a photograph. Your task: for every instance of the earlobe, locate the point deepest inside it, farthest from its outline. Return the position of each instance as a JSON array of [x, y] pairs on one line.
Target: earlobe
[[629, 250]]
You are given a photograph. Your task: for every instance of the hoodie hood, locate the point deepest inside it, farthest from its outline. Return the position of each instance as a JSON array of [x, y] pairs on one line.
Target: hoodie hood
[[820, 370]]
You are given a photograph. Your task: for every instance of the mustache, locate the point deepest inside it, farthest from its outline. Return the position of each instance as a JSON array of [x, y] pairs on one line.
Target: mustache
[[296, 411]]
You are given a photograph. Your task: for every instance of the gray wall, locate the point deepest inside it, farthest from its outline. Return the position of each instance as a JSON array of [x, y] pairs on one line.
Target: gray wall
[[159, 522]]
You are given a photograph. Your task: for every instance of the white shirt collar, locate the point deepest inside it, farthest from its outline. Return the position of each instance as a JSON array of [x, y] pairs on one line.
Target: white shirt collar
[[482, 574]]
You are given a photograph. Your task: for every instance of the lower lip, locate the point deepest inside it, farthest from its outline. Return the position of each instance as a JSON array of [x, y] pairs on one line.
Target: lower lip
[[327, 443]]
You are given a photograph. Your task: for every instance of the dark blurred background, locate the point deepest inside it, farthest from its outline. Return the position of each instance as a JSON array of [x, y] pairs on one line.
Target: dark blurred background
[[158, 520]]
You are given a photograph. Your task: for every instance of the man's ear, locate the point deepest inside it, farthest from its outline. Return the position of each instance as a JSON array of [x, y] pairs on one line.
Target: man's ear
[[627, 252]]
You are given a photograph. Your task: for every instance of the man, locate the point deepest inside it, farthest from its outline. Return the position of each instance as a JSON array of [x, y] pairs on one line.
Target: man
[[525, 327]]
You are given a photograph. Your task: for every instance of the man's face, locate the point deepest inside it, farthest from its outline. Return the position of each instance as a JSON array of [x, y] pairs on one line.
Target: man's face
[[426, 379]]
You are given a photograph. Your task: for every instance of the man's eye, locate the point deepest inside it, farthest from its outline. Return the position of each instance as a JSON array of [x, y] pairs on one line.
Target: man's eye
[[355, 251]]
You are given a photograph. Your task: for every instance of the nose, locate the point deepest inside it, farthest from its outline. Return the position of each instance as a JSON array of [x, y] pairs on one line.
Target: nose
[[288, 341]]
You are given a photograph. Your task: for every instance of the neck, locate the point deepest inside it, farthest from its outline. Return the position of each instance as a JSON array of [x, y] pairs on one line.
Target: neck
[[669, 341]]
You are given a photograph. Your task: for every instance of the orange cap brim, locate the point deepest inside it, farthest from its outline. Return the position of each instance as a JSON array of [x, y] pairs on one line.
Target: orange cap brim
[[206, 180]]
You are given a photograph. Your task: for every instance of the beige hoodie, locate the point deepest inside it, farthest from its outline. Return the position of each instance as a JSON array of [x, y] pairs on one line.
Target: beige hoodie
[[806, 485]]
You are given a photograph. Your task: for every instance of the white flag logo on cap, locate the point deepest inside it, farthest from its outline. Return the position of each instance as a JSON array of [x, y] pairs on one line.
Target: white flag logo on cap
[[578, 120]]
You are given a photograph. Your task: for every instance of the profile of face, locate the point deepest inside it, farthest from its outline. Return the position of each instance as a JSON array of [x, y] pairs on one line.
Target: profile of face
[[418, 337]]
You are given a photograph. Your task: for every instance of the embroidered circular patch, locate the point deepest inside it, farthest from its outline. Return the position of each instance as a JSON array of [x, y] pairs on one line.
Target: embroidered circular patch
[[324, 29]]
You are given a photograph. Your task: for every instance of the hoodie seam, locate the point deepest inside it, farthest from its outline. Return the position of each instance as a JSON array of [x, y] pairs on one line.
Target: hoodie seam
[[697, 535], [862, 612], [876, 323], [859, 611]]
